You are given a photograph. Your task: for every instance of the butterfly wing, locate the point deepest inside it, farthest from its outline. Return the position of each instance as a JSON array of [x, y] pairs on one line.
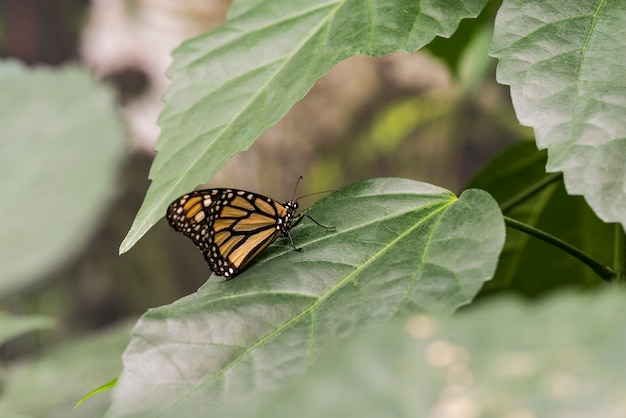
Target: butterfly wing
[[191, 215], [231, 227], [247, 223]]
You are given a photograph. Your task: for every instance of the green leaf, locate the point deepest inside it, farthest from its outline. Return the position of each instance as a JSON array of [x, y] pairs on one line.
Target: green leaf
[[51, 385], [528, 265], [107, 386], [12, 326], [61, 146], [232, 84], [502, 359], [399, 247], [564, 61]]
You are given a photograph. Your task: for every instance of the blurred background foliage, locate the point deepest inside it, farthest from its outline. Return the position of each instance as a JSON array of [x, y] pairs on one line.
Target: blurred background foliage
[[436, 116]]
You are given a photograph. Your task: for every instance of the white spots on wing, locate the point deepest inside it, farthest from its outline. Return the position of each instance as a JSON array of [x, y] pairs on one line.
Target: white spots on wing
[[199, 216]]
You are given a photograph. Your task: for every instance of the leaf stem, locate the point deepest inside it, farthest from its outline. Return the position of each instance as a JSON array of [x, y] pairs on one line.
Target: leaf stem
[[619, 263], [605, 272], [525, 194]]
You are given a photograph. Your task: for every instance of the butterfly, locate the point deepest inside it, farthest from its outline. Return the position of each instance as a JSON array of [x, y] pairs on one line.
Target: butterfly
[[231, 227]]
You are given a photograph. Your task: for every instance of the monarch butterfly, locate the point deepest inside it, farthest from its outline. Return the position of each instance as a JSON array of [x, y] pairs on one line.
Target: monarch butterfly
[[231, 227]]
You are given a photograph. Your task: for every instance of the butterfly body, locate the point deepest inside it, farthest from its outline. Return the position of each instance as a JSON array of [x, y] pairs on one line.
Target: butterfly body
[[231, 227]]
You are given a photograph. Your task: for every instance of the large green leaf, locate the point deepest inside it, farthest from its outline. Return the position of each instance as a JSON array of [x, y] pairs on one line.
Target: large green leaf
[[565, 63], [503, 359], [232, 84], [51, 385], [399, 247], [528, 265], [60, 149]]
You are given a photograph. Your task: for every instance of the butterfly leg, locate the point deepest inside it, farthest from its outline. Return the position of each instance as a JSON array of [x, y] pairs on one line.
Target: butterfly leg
[[296, 222], [299, 249], [316, 223]]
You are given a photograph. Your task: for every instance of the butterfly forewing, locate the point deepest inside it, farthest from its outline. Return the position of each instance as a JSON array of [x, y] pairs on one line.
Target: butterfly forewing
[[190, 215]]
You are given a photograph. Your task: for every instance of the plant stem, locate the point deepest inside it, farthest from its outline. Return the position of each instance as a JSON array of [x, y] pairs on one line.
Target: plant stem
[[605, 272], [619, 263], [525, 194]]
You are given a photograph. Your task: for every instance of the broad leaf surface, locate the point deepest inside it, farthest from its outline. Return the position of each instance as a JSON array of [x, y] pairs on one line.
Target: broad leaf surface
[[233, 83], [565, 62], [501, 359], [528, 265], [60, 149], [399, 247]]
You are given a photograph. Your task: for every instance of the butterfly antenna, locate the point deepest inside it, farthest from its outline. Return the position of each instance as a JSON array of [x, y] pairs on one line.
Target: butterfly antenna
[[313, 194], [310, 194], [293, 198]]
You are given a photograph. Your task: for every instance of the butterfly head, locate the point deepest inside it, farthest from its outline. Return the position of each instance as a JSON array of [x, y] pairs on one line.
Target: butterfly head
[[286, 223], [291, 206]]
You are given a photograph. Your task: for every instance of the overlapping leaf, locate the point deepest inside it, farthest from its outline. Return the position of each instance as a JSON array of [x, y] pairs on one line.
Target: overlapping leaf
[[399, 247], [60, 149], [234, 83], [565, 62]]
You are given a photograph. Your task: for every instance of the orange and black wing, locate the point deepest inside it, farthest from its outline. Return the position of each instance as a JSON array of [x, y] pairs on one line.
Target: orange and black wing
[[231, 227], [191, 214]]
